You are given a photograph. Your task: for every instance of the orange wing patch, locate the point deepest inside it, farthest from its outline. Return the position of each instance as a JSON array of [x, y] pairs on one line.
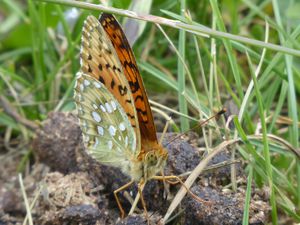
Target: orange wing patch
[[100, 60], [126, 56]]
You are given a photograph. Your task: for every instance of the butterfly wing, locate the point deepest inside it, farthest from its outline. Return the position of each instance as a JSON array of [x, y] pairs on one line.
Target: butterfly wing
[[129, 66], [100, 60], [107, 133]]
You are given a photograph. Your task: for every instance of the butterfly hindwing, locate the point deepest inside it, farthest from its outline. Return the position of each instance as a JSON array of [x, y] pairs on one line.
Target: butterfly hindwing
[[107, 132]]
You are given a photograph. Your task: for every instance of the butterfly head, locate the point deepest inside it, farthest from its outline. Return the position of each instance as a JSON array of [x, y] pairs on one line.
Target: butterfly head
[[154, 161]]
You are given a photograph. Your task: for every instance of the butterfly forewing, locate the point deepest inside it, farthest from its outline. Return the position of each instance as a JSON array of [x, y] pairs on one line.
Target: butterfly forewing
[[107, 132], [129, 66], [100, 60]]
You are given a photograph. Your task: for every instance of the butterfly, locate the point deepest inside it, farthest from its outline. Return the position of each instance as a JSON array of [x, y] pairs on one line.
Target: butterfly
[[113, 109]]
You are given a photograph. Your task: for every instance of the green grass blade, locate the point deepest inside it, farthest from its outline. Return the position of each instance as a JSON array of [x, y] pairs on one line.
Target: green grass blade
[[248, 197], [184, 124]]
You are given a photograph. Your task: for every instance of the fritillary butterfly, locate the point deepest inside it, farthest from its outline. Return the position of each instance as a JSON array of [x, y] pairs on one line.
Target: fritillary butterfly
[[112, 104]]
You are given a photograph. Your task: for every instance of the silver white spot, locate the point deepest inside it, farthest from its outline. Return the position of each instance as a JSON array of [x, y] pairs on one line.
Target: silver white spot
[[79, 109], [120, 138], [86, 83], [100, 130], [81, 58], [86, 138], [81, 87], [112, 130], [96, 117], [84, 125], [110, 145], [79, 97], [105, 45], [108, 107], [113, 104], [122, 126], [95, 106], [78, 75], [126, 141], [102, 108], [97, 84]]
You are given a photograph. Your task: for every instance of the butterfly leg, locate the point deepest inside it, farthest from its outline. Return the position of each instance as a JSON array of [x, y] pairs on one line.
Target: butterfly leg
[[117, 198], [167, 191], [178, 180], [140, 189]]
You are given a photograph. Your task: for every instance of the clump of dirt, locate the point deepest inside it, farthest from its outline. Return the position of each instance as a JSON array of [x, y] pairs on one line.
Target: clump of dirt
[[225, 206], [57, 141], [67, 199], [68, 187]]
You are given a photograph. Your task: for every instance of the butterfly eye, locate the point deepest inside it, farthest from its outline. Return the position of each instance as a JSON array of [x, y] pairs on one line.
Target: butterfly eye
[[151, 159]]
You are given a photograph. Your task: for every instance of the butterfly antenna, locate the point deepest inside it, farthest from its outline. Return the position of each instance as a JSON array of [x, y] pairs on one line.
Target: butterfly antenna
[[222, 111], [165, 130]]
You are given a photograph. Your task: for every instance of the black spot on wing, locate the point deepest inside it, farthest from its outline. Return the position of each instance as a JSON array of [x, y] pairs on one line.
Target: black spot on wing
[[101, 80], [129, 115], [134, 86], [116, 68], [108, 51], [144, 112], [90, 69], [123, 46], [122, 90], [112, 84], [139, 97]]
